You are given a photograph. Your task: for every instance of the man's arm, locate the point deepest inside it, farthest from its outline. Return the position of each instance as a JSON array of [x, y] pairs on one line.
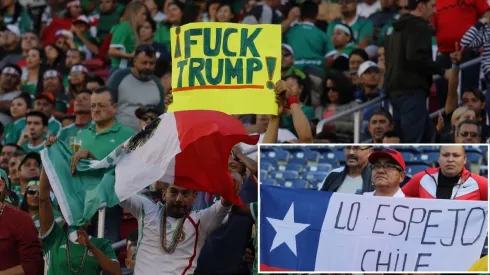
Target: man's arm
[[476, 36], [46, 218]]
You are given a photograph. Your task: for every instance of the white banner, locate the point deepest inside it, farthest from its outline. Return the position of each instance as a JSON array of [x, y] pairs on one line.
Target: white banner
[[366, 233]]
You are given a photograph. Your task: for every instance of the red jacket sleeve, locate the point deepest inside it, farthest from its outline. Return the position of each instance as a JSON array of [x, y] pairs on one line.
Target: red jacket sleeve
[[481, 7], [482, 185], [29, 247], [411, 188]]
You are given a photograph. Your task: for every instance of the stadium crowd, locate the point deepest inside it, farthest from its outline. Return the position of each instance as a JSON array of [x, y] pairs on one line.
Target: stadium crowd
[[93, 73]]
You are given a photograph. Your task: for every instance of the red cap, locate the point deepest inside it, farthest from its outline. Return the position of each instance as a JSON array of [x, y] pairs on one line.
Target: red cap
[[388, 153], [48, 96]]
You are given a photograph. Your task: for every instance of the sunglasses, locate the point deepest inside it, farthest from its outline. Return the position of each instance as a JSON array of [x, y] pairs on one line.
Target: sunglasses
[[471, 134], [147, 118], [32, 192]]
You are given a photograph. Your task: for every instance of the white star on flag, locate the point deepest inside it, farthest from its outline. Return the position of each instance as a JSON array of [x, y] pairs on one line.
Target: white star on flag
[[286, 230]]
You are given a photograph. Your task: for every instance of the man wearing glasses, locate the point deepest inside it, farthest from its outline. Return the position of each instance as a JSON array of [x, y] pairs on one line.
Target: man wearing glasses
[[146, 114], [388, 172], [468, 131], [355, 176]]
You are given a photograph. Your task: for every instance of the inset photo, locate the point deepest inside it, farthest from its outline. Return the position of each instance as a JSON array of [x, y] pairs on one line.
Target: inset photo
[[366, 208]]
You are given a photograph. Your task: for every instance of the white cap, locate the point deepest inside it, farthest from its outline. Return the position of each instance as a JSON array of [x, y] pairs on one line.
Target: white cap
[[14, 29], [82, 18], [289, 48], [366, 66]]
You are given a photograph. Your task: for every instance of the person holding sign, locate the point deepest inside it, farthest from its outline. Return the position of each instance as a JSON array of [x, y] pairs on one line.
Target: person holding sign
[[388, 172], [450, 181]]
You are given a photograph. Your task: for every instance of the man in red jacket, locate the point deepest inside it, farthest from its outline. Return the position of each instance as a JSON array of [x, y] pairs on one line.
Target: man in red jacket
[[450, 181], [20, 249]]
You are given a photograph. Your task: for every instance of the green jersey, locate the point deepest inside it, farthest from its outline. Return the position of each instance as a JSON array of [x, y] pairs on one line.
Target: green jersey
[[124, 40], [58, 218], [162, 36], [107, 20], [254, 210], [72, 130], [362, 28], [54, 127], [103, 143], [55, 250], [27, 147], [14, 130], [309, 43], [287, 120], [29, 88], [23, 22]]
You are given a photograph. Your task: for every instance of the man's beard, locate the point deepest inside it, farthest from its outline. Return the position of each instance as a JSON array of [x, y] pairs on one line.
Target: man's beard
[[145, 74]]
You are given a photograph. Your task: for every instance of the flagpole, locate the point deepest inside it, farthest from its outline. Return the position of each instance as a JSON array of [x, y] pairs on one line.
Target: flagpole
[[101, 223]]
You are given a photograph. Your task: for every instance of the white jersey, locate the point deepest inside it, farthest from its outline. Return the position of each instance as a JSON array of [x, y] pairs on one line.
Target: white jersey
[[150, 256]]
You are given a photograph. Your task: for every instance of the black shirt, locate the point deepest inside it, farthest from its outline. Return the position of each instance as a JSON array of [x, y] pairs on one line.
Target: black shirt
[[445, 186]]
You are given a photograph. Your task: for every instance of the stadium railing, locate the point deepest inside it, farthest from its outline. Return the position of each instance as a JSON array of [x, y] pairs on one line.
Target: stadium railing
[[357, 111]]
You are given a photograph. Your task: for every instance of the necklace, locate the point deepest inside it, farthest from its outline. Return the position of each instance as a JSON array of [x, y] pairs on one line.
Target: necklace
[[68, 256], [178, 231]]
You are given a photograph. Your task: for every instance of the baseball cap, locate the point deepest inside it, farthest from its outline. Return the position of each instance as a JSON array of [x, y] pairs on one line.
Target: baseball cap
[[13, 29], [289, 48], [388, 153], [82, 19], [31, 155], [45, 95], [3, 175], [145, 109], [366, 66]]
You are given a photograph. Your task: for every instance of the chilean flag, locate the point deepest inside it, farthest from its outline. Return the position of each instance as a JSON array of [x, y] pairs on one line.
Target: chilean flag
[[187, 148]]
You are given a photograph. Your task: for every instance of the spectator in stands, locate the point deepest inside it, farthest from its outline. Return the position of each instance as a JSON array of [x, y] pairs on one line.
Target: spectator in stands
[[369, 76], [387, 29], [101, 138], [192, 13], [29, 168], [125, 35], [34, 135], [77, 80], [83, 117], [16, 15], [147, 33], [225, 14], [381, 17], [287, 63], [446, 181], [9, 84], [337, 98], [362, 29], [28, 41], [337, 59], [30, 204], [468, 131], [139, 78], [94, 82], [52, 83], [35, 68], [449, 31], [21, 251], [7, 151], [82, 39], [110, 12], [45, 103], [11, 42], [211, 11], [174, 11], [13, 171], [63, 39], [72, 259], [475, 99], [367, 7], [18, 110], [388, 172], [73, 57], [297, 85], [380, 122], [391, 137], [409, 70], [307, 41], [55, 57], [356, 58], [459, 115], [355, 176], [12, 200], [146, 114], [130, 258], [266, 12]]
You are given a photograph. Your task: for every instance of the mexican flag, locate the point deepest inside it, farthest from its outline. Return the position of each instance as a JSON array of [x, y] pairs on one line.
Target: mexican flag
[[187, 148]]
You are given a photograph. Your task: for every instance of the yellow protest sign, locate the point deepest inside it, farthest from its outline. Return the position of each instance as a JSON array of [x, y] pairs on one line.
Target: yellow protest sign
[[225, 67]]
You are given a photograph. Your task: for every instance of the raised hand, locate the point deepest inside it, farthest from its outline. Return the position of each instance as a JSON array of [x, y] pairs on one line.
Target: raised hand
[[457, 55]]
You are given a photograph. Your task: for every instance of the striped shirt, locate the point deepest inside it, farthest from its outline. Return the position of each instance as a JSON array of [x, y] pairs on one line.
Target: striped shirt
[[476, 37]]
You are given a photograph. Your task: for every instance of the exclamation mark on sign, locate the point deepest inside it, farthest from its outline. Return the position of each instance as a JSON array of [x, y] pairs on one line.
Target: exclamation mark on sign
[[270, 63], [177, 43]]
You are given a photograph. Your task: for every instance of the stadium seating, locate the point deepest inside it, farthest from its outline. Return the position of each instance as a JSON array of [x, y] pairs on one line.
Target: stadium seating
[[307, 166]]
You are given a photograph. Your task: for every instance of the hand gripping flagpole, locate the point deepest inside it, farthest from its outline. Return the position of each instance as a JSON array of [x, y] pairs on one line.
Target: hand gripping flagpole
[[101, 223]]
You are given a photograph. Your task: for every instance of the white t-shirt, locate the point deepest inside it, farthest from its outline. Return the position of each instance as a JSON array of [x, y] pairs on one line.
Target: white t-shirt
[[283, 135], [365, 10], [398, 194], [351, 185], [150, 256]]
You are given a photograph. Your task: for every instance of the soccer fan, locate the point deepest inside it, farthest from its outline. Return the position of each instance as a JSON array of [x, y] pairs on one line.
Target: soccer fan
[[450, 181], [388, 172]]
